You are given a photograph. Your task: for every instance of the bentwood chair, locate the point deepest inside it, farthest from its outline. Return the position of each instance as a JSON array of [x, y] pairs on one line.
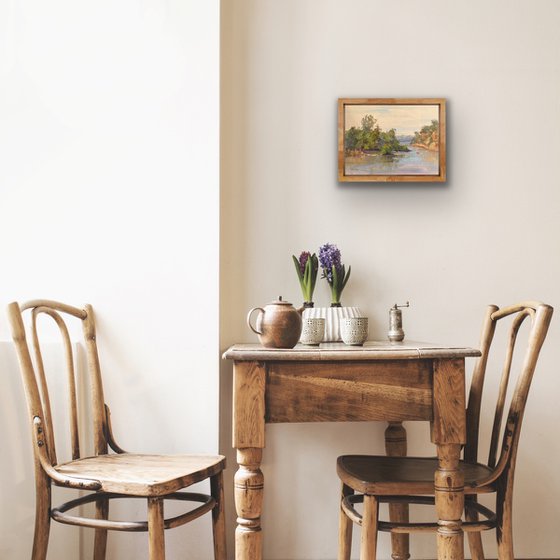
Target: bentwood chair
[[377, 479], [108, 476]]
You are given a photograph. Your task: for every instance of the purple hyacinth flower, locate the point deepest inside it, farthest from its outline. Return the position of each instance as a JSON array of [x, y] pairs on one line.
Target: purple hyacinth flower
[[303, 258], [329, 256]]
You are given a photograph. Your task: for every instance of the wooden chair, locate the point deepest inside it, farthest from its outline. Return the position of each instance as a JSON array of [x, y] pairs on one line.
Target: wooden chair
[[411, 479], [154, 477]]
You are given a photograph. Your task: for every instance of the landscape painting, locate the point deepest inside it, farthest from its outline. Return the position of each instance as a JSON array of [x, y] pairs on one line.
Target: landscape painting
[[398, 140]]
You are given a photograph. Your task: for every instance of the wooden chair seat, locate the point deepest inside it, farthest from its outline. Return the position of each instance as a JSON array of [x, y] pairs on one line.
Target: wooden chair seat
[[386, 476], [136, 474]]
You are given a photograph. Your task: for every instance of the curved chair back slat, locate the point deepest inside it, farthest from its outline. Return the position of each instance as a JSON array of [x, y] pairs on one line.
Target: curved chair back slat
[[477, 384], [501, 458], [35, 378], [504, 384], [100, 428]]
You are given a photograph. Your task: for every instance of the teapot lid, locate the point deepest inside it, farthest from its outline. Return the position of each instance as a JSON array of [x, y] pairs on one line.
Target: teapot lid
[[279, 301]]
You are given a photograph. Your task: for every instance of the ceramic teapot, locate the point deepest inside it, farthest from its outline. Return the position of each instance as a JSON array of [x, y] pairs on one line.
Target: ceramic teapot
[[278, 324]]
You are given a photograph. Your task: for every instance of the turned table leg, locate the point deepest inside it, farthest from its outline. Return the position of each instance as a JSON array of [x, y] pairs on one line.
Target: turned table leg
[[248, 503], [448, 433], [395, 446], [248, 439], [450, 500]]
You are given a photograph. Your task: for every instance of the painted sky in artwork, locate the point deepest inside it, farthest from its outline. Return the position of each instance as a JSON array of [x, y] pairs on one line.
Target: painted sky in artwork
[[406, 119]]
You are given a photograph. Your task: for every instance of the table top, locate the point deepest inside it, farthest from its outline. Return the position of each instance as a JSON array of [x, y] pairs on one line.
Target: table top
[[338, 351]]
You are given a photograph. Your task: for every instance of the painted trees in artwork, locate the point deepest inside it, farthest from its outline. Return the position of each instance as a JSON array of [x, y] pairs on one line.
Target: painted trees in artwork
[[427, 137], [370, 138]]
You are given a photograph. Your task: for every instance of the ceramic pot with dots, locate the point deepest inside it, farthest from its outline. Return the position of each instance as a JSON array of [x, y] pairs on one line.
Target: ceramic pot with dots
[[354, 330], [313, 331]]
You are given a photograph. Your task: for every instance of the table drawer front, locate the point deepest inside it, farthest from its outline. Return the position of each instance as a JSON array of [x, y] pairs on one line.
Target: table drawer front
[[349, 391]]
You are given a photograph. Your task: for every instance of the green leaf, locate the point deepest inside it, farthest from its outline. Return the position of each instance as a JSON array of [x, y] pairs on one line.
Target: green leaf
[[307, 272], [335, 292], [314, 270], [306, 275], [334, 276], [296, 264], [346, 278]]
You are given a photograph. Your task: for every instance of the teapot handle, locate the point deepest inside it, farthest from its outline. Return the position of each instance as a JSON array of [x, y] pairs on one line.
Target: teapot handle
[[249, 319]]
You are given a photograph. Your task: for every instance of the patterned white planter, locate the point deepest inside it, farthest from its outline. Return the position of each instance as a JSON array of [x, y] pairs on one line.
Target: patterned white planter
[[332, 316]]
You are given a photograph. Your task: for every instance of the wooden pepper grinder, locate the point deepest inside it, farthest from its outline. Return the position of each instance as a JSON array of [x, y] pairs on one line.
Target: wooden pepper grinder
[[396, 333]]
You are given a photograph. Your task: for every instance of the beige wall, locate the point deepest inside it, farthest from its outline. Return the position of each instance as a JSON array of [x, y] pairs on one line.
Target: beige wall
[[489, 235]]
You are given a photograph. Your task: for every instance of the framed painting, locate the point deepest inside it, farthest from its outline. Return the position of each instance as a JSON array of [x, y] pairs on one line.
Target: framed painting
[[391, 140]]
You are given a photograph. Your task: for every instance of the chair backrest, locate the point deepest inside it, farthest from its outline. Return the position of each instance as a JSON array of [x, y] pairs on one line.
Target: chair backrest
[[35, 378], [539, 316]]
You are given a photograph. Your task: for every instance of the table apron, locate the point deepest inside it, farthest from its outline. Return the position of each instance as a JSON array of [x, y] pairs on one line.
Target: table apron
[[393, 390]]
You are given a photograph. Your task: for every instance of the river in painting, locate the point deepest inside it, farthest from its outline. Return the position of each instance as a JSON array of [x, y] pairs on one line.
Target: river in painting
[[418, 161]]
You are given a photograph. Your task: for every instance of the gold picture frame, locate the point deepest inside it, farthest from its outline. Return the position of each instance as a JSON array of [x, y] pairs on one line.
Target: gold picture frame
[[391, 140]]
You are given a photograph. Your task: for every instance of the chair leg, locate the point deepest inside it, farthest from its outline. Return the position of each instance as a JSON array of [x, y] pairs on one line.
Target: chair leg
[[475, 538], [218, 517], [400, 542], [156, 538], [368, 546], [100, 542], [42, 516], [395, 446], [345, 528], [504, 528]]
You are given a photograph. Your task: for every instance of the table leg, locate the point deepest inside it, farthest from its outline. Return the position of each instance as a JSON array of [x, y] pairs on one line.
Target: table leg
[[248, 439], [395, 446], [249, 483], [449, 491], [448, 433]]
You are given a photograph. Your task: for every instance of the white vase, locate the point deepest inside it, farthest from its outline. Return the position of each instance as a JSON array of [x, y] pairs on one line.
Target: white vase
[[332, 316]]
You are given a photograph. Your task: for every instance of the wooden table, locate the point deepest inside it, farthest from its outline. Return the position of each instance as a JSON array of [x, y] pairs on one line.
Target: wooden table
[[336, 383]]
